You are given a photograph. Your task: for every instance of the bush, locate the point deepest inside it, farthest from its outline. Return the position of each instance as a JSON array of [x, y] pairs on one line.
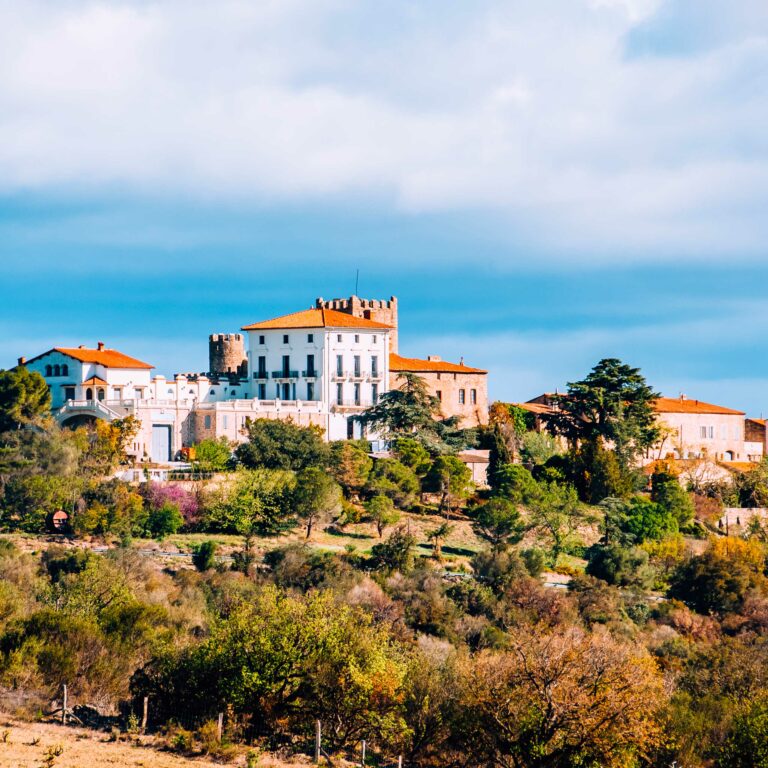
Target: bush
[[164, 521], [204, 555]]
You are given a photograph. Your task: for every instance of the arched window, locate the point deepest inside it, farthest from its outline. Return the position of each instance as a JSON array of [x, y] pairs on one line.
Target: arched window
[[89, 394], [65, 370], [100, 394], [56, 370], [48, 370], [234, 392], [212, 392]]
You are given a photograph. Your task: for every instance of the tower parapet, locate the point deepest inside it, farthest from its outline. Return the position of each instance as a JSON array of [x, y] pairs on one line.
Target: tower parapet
[[226, 355], [378, 310]]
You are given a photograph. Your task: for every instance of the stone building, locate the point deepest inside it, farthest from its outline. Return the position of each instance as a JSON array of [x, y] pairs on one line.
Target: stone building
[[461, 390], [379, 310], [226, 355]]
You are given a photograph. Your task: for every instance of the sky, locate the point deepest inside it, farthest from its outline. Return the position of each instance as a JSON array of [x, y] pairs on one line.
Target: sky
[[540, 184]]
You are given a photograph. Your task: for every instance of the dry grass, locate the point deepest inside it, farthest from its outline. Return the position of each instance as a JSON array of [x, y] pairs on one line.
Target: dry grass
[[26, 745]]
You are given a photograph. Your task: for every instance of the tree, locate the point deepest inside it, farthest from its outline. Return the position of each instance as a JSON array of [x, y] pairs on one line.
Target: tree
[[438, 536], [350, 465], [452, 479], [104, 444], [622, 566], [561, 698], [317, 496], [642, 520], [539, 447], [381, 510], [277, 444], [557, 514], [499, 523], [403, 410], [667, 492], [515, 483], [164, 521], [395, 553], [613, 404], [212, 455], [204, 555], [24, 398], [412, 454], [393, 479], [597, 472]]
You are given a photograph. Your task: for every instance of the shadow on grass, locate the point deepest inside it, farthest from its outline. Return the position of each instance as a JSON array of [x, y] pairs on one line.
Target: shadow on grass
[[449, 550], [348, 534]]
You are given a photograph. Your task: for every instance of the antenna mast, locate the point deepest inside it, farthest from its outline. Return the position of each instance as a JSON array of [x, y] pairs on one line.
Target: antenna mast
[[357, 280]]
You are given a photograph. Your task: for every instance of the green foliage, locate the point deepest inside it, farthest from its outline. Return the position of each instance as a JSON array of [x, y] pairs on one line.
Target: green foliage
[[640, 519], [277, 444], [613, 404], [539, 447], [59, 561], [381, 509], [516, 484], [254, 501], [747, 742], [350, 465], [395, 553], [752, 487], [204, 555], [316, 497], [391, 478], [622, 566], [451, 478], [667, 492], [556, 514], [412, 454], [24, 398], [498, 522], [598, 473], [213, 455], [164, 521], [31, 500], [498, 568]]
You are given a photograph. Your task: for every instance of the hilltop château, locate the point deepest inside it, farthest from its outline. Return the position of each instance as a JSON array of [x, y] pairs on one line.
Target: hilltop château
[[320, 366]]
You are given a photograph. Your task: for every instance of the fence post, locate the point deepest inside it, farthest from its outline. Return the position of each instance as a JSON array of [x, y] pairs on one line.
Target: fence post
[[64, 707], [144, 715], [220, 727], [318, 740], [362, 757], [400, 762]]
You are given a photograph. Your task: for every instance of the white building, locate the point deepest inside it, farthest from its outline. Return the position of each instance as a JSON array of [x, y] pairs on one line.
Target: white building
[[317, 367]]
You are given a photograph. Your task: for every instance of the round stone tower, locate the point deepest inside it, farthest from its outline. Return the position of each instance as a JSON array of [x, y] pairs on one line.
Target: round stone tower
[[226, 354]]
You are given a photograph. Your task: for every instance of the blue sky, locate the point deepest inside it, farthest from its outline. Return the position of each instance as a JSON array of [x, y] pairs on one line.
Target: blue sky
[[541, 184]]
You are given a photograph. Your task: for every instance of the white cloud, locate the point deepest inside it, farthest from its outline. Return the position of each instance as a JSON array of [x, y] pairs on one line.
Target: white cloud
[[530, 110]]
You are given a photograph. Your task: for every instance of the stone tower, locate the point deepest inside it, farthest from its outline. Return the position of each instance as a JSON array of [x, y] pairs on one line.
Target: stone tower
[[378, 310], [226, 355]]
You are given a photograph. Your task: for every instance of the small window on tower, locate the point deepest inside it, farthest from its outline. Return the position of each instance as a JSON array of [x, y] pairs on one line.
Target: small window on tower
[[310, 338], [357, 338], [285, 338], [338, 338], [261, 339]]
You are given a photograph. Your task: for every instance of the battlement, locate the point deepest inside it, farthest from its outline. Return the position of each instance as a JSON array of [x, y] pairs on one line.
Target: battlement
[[379, 310], [226, 355]]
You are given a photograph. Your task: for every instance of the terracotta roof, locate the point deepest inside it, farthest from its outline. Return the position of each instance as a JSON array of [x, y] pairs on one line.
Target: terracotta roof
[[109, 358], [686, 405], [761, 422], [740, 466], [535, 407], [399, 364], [316, 318], [95, 381]]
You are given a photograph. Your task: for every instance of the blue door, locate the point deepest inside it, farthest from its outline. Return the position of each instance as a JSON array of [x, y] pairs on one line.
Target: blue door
[[161, 443]]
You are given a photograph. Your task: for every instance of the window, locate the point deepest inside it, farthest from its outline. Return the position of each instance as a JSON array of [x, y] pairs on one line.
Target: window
[[69, 393], [357, 338], [374, 393], [262, 367], [65, 370], [357, 365], [374, 366], [339, 365], [340, 394], [261, 339], [439, 376], [119, 392], [48, 370], [711, 432], [310, 390], [439, 395], [310, 338], [262, 391], [225, 421], [286, 391], [310, 366], [357, 394], [89, 394], [473, 396], [285, 338], [100, 395], [207, 422], [286, 366], [375, 339], [212, 392], [462, 396], [56, 370], [338, 338]]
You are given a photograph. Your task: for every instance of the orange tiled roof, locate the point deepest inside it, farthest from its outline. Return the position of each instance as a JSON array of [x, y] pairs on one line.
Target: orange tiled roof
[[109, 358], [686, 405], [761, 422], [316, 318], [535, 407], [95, 381], [399, 364]]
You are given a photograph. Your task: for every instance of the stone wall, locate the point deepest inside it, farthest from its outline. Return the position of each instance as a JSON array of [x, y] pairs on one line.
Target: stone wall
[[378, 310], [226, 354]]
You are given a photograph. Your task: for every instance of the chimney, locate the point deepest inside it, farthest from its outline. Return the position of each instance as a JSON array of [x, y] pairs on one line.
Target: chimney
[[683, 398], [434, 358], [100, 346], [22, 360], [461, 360]]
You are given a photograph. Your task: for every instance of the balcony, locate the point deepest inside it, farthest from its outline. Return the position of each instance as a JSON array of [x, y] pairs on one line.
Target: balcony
[[261, 375], [344, 405], [359, 375], [311, 374], [340, 375], [285, 375]]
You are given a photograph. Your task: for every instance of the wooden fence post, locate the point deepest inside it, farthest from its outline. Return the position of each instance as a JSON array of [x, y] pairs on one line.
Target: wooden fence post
[[220, 728], [144, 714], [64, 707], [318, 740]]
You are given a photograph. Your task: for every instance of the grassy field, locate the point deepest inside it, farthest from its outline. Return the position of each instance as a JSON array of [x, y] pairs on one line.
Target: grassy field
[[26, 745]]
